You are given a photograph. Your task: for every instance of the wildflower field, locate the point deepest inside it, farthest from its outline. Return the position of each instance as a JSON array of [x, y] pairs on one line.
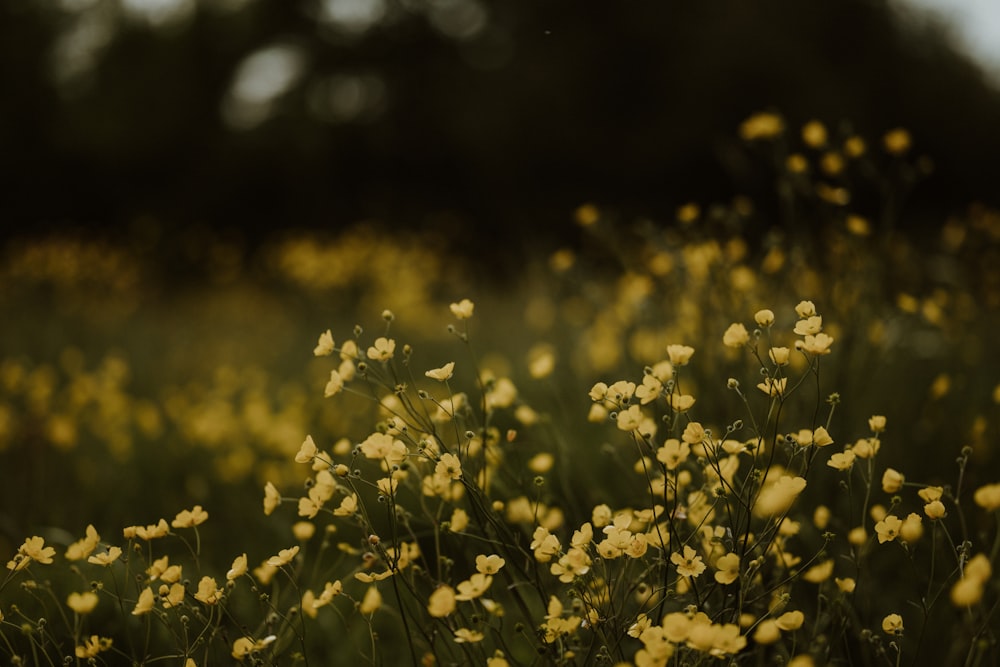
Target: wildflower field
[[745, 436]]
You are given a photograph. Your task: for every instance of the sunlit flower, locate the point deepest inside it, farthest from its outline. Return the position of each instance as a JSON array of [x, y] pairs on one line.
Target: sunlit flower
[[489, 564], [876, 423], [371, 602], [443, 373], [84, 547], [727, 568], [896, 141], [334, 385], [673, 453], [809, 326], [779, 355], [384, 446], [348, 506], [688, 565], [244, 646], [681, 402], [91, 647], [238, 569], [773, 386], [173, 595], [33, 549], [888, 528], [441, 602], [82, 603], [284, 557], [761, 125], [845, 585], [544, 544], [764, 317], [466, 636], [935, 509], [912, 529], [892, 624], [805, 309], [190, 518], [679, 355], [892, 480], [330, 591], [818, 344], [106, 557], [208, 591], [931, 493], [271, 498], [325, 345], [777, 496], [629, 420], [382, 349], [791, 620], [307, 451], [448, 467], [767, 632], [818, 573], [463, 309], [735, 336], [474, 586], [988, 497]]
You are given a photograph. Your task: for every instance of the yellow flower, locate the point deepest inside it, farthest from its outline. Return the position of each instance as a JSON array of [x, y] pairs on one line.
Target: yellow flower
[[777, 496], [284, 557], [371, 602], [271, 498], [966, 592], [334, 385], [448, 467], [688, 565], [106, 558], [145, 602], [443, 373], [153, 531], [735, 336], [441, 602], [489, 564], [779, 355], [892, 480], [818, 344], [727, 568], [988, 497], [931, 493], [679, 355], [892, 624], [846, 585], [466, 636], [173, 595], [764, 317], [809, 326], [82, 603], [33, 549], [83, 548], [681, 402], [896, 141], [384, 446], [913, 528], [790, 620], [91, 647], [629, 420], [773, 386], [474, 586], [244, 646], [876, 423], [818, 573], [238, 569], [935, 509], [814, 134], [330, 591], [307, 451], [208, 591], [325, 345], [762, 125], [190, 518], [382, 349], [805, 309], [673, 453], [888, 528], [348, 506], [463, 309], [854, 147]]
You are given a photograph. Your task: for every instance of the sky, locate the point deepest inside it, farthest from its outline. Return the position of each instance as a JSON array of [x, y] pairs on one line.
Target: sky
[[976, 24]]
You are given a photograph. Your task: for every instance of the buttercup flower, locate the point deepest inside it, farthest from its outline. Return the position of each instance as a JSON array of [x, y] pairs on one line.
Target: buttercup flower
[[83, 548], [629, 420], [271, 498], [238, 569], [441, 602], [33, 549], [679, 355], [892, 624], [876, 423], [727, 568], [688, 565], [325, 345], [190, 518], [735, 336], [463, 309], [888, 528], [489, 564], [82, 603], [466, 636], [371, 602], [764, 317], [307, 451], [382, 349], [443, 373], [809, 326], [107, 557], [805, 309], [284, 557], [773, 386], [91, 647], [988, 497], [935, 509], [892, 480], [334, 385], [208, 591]]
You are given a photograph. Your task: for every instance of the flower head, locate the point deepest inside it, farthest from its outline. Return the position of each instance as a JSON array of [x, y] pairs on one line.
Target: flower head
[[463, 309], [325, 345], [443, 373], [689, 564]]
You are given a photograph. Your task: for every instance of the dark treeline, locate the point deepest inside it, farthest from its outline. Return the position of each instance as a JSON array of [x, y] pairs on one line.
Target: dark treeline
[[491, 120]]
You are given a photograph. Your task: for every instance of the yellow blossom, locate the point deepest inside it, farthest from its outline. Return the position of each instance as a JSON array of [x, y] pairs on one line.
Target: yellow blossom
[[912, 529], [84, 547], [208, 591], [773, 386], [779, 355], [371, 602], [791, 620], [845, 585], [284, 557], [988, 497], [931, 493], [307, 451], [443, 373], [629, 419], [818, 573], [727, 568], [814, 134], [762, 125], [271, 498], [334, 385], [764, 317], [91, 647], [681, 402], [238, 569], [82, 603], [330, 591], [244, 646], [888, 528], [33, 549], [324, 347], [679, 355], [876, 423], [463, 309], [172, 595], [466, 636], [735, 336], [441, 602], [892, 480], [689, 564], [489, 564], [190, 518], [935, 509], [896, 141], [767, 632], [382, 349], [892, 624], [817, 345], [474, 586], [106, 558]]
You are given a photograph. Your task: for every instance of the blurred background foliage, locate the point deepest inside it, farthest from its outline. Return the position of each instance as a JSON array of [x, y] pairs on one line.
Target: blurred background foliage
[[194, 189]]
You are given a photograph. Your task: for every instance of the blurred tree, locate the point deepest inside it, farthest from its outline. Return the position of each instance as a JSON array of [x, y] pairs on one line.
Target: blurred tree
[[489, 119]]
